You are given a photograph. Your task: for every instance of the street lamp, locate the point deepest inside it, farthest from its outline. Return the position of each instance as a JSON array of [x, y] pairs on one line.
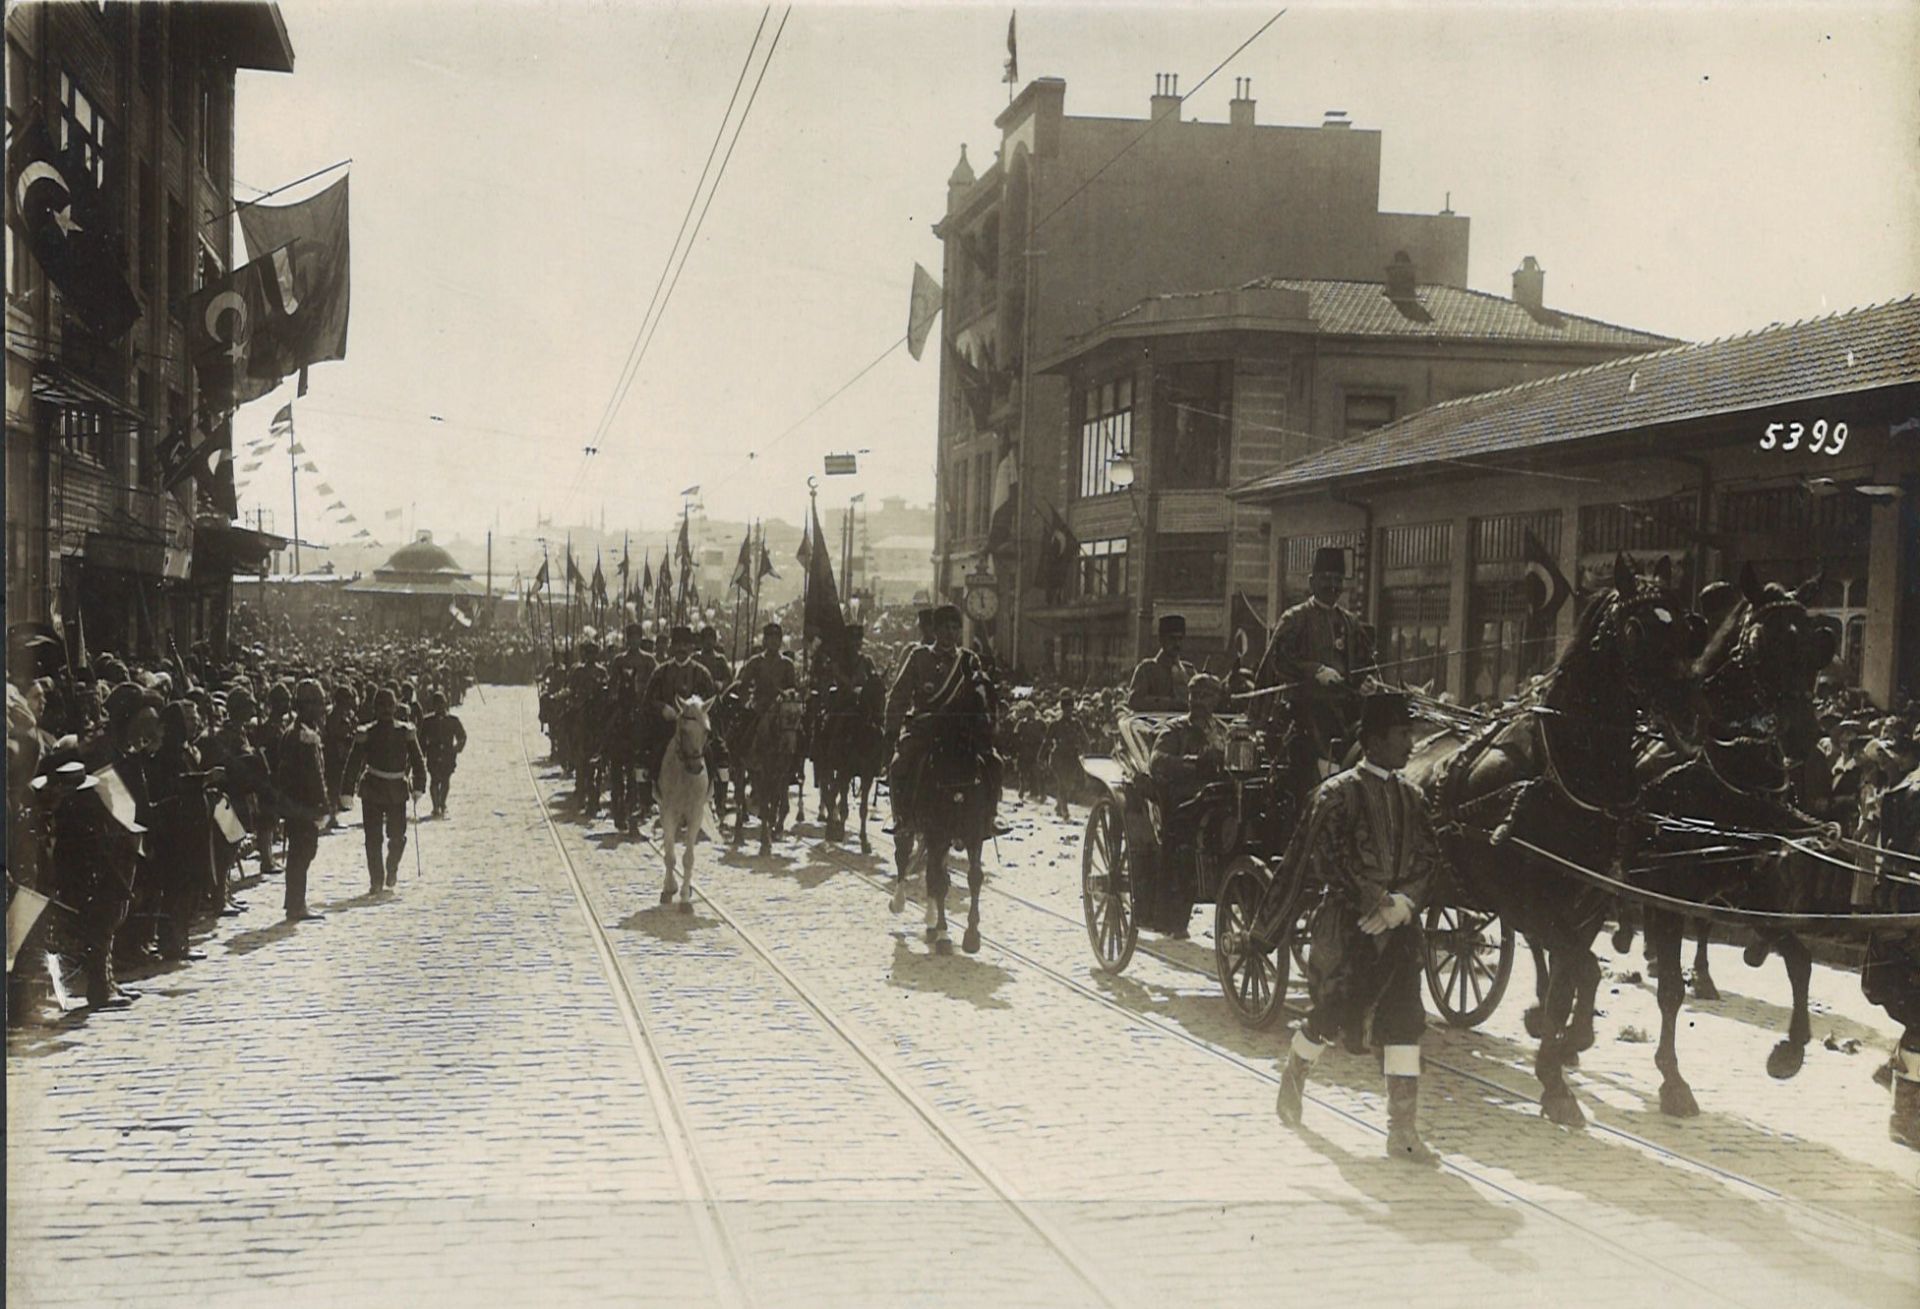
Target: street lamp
[[1120, 470]]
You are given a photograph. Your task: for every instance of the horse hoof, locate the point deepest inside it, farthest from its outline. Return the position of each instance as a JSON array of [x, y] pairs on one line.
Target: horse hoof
[[1703, 988], [971, 941], [1676, 1100], [1535, 1028], [766, 849], [666, 896], [933, 934], [1623, 940], [899, 903], [686, 906], [866, 846], [1560, 1107], [944, 945], [1755, 954], [1785, 1060]]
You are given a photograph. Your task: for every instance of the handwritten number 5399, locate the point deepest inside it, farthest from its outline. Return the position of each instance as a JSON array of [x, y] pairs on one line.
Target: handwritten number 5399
[[1824, 438]]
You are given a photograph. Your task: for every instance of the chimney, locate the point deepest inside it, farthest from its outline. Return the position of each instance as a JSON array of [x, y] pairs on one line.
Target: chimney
[[1240, 108], [1530, 284], [1336, 118], [1401, 284], [1166, 97]]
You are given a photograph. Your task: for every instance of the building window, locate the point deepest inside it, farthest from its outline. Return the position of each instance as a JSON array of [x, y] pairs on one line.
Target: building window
[[1644, 525], [1190, 566], [1366, 412], [1412, 646], [1507, 641], [84, 433], [1106, 429], [1193, 425], [83, 132], [179, 259], [1103, 569]]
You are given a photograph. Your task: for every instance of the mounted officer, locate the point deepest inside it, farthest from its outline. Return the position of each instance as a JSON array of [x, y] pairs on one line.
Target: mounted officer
[[679, 677], [761, 679], [932, 676], [710, 657], [1367, 836], [1159, 683], [587, 708], [1320, 651], [629, 674]]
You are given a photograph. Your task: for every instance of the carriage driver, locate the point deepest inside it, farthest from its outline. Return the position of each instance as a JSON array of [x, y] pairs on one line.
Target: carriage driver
[[1186, 757], [1367, 838], [1320, 650]]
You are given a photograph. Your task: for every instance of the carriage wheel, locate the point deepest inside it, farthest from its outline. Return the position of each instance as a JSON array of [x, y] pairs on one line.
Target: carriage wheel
[[1469, 962], [1253, 980], [1106, 891]]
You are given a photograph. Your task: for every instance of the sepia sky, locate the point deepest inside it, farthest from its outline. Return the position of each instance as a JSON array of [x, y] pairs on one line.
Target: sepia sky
[[520, 170]]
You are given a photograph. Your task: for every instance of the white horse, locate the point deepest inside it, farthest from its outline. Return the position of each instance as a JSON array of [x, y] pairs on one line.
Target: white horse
[[684, 790]]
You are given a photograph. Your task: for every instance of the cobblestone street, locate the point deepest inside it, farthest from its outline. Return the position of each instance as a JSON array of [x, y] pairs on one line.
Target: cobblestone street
[[521, 1080]]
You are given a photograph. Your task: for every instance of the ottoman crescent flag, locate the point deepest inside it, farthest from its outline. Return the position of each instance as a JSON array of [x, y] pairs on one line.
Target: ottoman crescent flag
[[313, 280], [70, 230], [922, 309]]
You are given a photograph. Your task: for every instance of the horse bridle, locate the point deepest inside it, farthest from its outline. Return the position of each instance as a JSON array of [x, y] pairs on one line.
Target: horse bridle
[[693, 763]]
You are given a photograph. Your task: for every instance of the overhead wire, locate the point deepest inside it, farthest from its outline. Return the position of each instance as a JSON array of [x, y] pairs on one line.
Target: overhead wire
[[663, 288]]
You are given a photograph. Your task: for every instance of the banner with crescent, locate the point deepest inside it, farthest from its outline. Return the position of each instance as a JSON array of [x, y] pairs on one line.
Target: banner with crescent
[[71, 233], [234, 327], [307, 250]]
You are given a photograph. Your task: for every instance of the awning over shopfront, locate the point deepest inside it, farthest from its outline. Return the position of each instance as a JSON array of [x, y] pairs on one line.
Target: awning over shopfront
[[55, 384], [223, 549]]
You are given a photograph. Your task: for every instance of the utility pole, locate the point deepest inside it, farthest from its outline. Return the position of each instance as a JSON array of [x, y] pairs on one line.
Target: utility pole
[[293, 467]]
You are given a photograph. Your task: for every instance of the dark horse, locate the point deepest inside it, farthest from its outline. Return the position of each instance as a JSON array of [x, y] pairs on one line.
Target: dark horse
[[850, 751], [1756, 723], [948, 803], [765, 767], [1555, 772]]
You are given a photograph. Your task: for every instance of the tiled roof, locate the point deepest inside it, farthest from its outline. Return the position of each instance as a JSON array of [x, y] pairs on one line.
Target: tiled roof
[[1454, 313], [1856, 350]]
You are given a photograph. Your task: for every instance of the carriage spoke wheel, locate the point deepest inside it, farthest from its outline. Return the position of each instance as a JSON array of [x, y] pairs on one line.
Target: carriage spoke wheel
[[1253, 979], [1106, 890], [1469, 960]]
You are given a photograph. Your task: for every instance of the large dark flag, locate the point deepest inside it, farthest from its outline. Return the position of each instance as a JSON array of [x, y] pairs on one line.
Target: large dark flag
[[231, 324], [766, 562], [821, 619], [197, 459], [1547, 591], [1006, 497], [540, 578], [576, 582], [646, 578], [976, 387], [317, 272], [599, 586], [663, 590], [69, 227]]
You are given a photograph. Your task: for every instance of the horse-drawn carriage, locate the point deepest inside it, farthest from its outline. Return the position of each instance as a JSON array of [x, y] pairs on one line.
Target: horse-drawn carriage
[[1233, 844]]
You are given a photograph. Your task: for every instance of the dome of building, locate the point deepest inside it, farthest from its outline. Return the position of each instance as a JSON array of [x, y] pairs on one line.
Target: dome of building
[[422, 556]]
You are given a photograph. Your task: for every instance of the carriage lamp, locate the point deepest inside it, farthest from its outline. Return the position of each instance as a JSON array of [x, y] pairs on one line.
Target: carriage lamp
[[1120, 470]]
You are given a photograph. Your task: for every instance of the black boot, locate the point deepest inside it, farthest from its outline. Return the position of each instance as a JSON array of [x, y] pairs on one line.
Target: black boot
[[1293, 1086], [1403, 1138], [1903, 1126]]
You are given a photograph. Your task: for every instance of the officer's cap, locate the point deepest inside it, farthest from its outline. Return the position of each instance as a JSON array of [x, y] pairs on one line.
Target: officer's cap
[[773, 629], [681, 632], [946, 614], [1330, 559], [1173, 625]]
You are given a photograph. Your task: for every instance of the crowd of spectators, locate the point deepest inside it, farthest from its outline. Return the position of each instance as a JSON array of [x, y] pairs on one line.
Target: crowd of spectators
[[145, 795]]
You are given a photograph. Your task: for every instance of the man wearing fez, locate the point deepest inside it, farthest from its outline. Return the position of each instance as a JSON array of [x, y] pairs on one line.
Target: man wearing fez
[[1367, 838], [1187, 756], [1320, 650], [1160, 683], [305, 802]]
